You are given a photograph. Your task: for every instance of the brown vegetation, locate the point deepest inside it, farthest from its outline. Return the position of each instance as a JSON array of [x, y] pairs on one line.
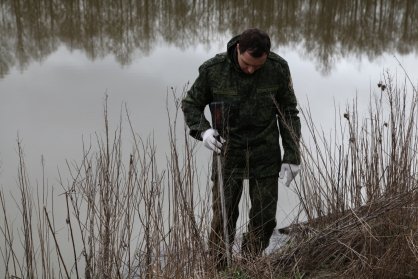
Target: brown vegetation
[[126, 219]]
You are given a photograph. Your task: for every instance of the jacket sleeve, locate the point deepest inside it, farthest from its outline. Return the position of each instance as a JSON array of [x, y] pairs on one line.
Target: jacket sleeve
[[194, 103], [289, 121]]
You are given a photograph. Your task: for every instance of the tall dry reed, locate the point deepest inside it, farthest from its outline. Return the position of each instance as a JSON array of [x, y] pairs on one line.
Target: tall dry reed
[[124, 218], [358, 192], [127, 218]]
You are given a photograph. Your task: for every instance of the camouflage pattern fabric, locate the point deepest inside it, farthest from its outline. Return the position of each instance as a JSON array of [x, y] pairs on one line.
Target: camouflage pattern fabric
[[260, 108], [257, 104], [262, 216]]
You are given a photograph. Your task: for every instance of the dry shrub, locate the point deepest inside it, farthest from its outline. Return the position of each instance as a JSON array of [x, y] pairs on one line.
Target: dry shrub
[[125, 218], [359, 196]]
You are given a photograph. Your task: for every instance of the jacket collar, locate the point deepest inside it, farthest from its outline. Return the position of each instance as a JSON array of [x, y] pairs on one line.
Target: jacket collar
[[232, 53]]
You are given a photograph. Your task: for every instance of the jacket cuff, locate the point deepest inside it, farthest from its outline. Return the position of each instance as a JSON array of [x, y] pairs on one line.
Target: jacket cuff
[[197, 134]]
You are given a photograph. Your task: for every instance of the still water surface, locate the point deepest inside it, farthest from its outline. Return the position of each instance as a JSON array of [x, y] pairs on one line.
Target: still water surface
[[58, 60]]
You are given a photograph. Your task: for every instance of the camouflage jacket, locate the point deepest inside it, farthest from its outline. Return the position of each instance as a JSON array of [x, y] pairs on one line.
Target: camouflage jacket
[[261, 108]]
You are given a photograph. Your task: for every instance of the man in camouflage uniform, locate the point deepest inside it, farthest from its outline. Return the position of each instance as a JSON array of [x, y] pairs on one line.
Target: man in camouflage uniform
[[255, 89]]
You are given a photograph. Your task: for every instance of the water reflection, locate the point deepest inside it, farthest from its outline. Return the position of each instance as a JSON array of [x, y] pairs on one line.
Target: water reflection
[[30, 30]]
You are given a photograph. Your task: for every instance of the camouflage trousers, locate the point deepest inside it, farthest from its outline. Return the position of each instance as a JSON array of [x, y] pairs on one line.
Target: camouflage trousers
[[262, 216]]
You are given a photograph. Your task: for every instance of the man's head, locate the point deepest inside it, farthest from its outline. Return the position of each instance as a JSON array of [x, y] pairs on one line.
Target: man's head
[[253, 48]]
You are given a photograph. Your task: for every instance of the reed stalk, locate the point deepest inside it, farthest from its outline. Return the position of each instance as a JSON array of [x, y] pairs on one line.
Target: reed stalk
[[126, 216]]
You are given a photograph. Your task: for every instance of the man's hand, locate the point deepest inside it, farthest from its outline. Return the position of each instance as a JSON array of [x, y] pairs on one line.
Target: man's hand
[[210, 140], [289, 171]]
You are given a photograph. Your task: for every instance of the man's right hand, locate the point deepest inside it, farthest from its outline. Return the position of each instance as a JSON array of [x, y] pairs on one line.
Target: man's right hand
[[210, 140]]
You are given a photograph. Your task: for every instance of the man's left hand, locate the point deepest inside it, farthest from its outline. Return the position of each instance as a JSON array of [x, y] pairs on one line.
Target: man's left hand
[[289, 172]]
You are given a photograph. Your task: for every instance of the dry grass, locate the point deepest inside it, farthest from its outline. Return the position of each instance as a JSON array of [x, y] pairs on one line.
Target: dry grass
[[125, 218], [358, 192]]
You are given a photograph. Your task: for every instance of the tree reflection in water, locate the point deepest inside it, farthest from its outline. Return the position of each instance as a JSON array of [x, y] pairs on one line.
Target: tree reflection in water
[[325, 30]]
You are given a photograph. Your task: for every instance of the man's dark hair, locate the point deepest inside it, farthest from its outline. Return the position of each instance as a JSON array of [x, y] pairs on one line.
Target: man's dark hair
[[255, 41]]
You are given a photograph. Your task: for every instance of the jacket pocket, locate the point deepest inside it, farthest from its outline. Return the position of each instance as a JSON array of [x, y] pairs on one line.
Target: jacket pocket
[[225, 93]]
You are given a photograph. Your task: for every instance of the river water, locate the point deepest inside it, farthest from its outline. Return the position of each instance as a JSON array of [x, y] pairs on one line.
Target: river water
[[59, 59]]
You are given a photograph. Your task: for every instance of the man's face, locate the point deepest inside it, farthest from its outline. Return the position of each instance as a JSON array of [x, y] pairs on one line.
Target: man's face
[[249, 64]]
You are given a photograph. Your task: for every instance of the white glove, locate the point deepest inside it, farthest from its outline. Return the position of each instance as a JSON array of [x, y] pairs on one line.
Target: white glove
[[210, 141], [289, 171]]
